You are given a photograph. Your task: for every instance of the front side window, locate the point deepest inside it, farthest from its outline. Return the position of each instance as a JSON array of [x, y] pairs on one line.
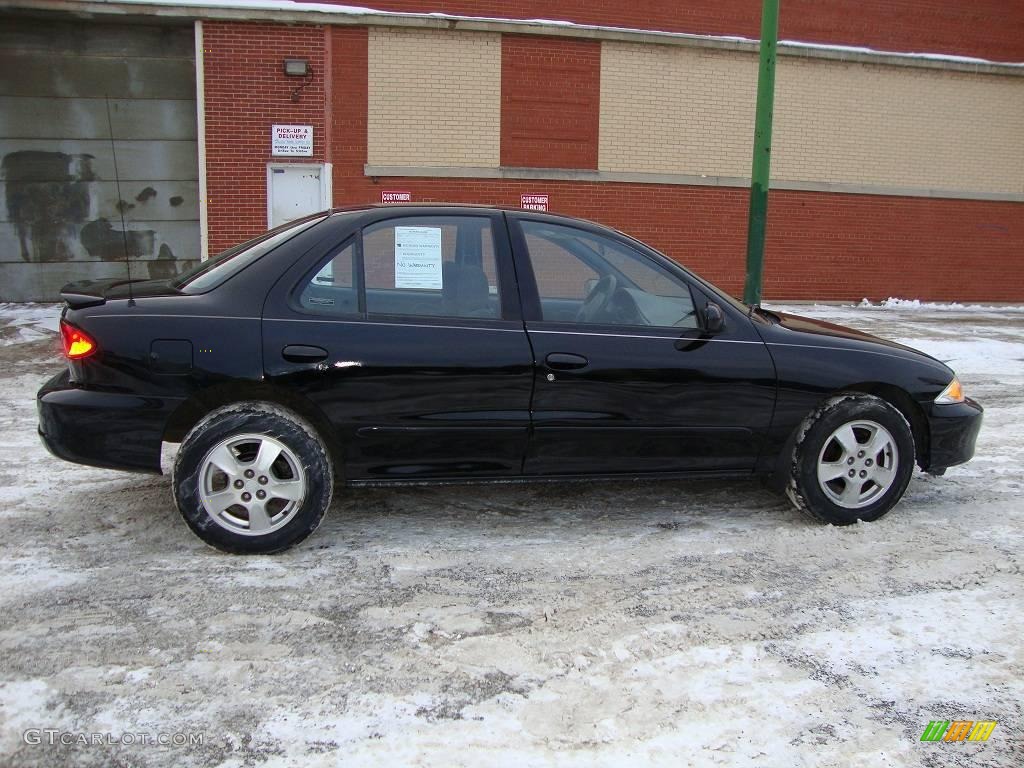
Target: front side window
[[587, 278], [433, 266]]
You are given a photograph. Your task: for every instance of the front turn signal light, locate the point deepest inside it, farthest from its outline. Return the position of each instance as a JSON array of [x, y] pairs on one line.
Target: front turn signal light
[[77, 343], [953, 393]]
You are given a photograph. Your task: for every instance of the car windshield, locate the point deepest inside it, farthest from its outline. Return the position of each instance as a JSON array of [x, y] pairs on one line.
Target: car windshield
[[210, 273]]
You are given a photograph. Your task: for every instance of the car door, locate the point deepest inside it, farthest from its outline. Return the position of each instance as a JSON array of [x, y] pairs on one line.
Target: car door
[[629, 378], [407, 335]]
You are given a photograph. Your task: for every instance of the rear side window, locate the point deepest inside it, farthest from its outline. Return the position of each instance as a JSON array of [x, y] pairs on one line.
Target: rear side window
[[431, 266], [424, 266], [332, 290]]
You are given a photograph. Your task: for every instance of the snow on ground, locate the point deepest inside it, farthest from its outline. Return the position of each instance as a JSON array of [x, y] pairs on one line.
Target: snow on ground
[[20, 323], [669, 623]]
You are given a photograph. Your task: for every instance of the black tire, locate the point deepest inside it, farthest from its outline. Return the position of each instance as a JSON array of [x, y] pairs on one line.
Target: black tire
[[302, 469], [848, 498]]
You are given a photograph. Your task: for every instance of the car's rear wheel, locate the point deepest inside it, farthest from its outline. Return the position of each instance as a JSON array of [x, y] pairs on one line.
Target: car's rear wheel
[[252, 478], [853, 460]]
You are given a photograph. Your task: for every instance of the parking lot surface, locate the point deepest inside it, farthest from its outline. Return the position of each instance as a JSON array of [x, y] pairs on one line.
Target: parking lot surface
[[664, 623]]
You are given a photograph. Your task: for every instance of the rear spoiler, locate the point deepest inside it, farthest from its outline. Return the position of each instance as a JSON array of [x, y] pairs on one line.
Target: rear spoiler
[[93, 293], [81, 300], [84, 294]]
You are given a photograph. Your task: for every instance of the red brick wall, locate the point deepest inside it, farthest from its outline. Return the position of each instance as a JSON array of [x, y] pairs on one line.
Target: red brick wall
[[991, 29], [246, 93], [833, 246], [348, 113], [550, 102], [820, 246]]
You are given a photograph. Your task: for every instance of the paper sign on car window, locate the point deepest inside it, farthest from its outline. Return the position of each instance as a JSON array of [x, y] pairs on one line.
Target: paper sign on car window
[[418, 257]]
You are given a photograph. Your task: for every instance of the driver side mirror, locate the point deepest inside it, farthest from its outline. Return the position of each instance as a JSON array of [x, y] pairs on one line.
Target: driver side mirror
[[714, 318]]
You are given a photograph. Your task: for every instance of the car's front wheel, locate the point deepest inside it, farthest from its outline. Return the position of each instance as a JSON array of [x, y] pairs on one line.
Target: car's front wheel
[[252, 478], [853, 459]]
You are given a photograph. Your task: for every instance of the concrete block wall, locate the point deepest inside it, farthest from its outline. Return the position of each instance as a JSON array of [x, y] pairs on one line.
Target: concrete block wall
[[61, 202]]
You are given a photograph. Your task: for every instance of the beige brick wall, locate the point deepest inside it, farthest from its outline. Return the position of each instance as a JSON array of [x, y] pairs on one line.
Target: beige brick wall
[[897, 126], [669, 109], [434, 98]]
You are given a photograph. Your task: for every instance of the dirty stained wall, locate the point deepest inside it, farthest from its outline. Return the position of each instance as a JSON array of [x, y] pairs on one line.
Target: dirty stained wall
[[60, 211]]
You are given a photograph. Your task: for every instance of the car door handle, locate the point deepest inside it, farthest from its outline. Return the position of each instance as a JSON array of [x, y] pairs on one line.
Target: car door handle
[[563, 361], [300, 353]]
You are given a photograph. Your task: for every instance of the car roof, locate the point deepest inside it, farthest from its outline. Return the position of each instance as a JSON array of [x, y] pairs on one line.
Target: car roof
[[434, 206], [409, 206]]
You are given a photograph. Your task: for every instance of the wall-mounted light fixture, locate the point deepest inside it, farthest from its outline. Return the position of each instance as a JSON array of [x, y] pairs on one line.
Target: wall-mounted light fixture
[[298, 68]]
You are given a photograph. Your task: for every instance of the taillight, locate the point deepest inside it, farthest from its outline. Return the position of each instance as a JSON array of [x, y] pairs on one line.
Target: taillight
[[77, 343]]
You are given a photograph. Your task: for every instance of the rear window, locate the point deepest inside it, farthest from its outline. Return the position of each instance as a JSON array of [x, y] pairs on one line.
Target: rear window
[[210, 273]]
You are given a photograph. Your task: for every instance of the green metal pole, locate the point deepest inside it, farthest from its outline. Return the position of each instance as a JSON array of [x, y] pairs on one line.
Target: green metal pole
[[762, 152]]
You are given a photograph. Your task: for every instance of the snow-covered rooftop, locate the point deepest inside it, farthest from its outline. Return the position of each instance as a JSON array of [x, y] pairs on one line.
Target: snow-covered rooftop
[[791, 46]]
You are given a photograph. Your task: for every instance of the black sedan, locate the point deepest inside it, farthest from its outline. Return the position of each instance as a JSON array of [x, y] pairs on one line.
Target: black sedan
[[435, 344]]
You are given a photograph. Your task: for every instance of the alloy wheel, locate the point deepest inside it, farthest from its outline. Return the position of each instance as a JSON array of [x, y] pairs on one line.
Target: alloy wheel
[[857, 464], [251, 484]]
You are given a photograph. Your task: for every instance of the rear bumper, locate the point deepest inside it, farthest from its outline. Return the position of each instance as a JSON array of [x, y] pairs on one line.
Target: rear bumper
[[954, 431], [102, 429]]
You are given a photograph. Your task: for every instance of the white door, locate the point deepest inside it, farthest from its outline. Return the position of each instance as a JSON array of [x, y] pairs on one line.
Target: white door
[[295, 190]]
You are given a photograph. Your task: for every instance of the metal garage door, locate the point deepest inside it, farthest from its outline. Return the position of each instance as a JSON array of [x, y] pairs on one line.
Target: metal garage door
[[60, 214]]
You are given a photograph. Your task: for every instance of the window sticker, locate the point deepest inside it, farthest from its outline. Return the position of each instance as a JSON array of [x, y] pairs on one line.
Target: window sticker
[[418, 257]]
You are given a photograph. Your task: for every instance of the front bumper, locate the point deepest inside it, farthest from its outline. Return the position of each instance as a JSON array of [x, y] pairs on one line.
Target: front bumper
[[102, 429], [954, 431]]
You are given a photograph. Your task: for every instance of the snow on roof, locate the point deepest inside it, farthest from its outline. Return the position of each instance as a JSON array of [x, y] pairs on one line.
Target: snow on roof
[[356, 10], [875, 52]]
